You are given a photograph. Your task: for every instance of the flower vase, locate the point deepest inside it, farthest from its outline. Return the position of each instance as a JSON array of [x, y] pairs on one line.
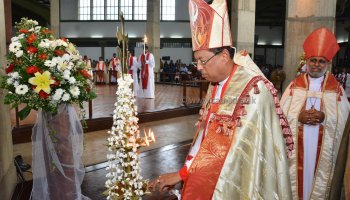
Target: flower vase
[[57, 149]]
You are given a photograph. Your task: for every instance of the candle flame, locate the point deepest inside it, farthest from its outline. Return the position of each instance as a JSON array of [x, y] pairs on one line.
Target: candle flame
[[151, 135]]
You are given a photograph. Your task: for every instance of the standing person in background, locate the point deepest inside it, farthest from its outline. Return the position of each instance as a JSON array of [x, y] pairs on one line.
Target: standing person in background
[[317, 110], [88, 65], [100, 70], [146, 62], [114, 65], [133, 66]]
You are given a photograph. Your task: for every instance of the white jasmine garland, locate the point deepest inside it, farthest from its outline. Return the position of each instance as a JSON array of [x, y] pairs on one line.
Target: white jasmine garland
[[122, 146]]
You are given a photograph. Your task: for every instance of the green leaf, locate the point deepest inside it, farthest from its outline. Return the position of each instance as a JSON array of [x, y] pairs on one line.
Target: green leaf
[[24, 112]]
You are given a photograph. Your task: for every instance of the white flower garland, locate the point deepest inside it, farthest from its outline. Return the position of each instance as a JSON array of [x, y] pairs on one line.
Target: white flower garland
[[124, 180]]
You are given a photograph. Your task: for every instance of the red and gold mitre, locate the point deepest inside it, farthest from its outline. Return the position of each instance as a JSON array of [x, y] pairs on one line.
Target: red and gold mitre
[[210, 26], [322, 43]]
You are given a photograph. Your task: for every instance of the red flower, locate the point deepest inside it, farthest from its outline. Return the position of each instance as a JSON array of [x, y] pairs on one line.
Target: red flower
[[46, 31], [59, 52], [42, 56], [85, 73], [56, 83], [10, 68], [23, 31], [32, 69], [43, 94], [88, 89], [32, 49], [64, 39], [31, 38]]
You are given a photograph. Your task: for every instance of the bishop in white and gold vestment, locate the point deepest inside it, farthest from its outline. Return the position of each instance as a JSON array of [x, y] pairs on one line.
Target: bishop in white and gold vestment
[[242, 140], [317, 110]]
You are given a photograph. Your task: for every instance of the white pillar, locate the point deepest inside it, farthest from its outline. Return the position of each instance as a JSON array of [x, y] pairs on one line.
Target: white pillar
[[55, 17], [303, 17], [153, 30], [243, 25], [7, 169]]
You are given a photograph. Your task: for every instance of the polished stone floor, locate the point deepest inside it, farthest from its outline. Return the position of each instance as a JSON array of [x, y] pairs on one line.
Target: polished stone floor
[[167, 132], [153, 163], [166, 97]]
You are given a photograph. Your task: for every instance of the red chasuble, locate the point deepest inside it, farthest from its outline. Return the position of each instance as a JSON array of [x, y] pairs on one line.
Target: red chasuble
[[144, 71]]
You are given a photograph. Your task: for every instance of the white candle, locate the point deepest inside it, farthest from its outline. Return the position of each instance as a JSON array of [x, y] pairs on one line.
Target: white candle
[[144, 44]]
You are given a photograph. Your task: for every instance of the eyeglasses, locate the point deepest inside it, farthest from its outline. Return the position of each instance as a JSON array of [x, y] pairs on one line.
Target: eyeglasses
[[205, 61], [320, 61]]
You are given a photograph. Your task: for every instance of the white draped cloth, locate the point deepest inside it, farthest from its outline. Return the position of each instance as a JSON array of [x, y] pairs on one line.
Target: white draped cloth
[[57, 149], [134, 68]]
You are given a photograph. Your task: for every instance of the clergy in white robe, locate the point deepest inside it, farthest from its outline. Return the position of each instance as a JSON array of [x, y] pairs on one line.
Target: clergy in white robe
[[101, 71], [88, 67], [242, 139], [114, 68], [147, 64], [317, 110]]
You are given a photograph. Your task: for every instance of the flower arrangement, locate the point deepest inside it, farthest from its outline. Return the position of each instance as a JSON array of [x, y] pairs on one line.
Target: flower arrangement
[[44, 72], [123, 178]]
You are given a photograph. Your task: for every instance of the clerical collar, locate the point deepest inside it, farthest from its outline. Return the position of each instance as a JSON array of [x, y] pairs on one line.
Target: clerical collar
[[223, 81], [319, 79]]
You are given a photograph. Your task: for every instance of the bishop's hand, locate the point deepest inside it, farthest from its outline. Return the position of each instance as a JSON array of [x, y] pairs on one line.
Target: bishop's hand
[[164, 182]]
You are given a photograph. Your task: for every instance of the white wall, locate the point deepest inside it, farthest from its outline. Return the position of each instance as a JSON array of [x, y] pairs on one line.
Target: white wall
[[109, 51], [91, 29], [91, 52]]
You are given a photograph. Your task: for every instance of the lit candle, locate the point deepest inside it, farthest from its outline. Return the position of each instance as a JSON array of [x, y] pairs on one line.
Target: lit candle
[[146, 141], [144, 44], [151, 135]]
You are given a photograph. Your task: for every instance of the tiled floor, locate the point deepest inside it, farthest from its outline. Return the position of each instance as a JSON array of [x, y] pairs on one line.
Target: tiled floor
[[167, 132], [152, 163], [167, 97]]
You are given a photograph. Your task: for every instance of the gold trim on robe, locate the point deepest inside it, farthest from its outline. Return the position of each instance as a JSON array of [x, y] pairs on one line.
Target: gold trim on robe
[[336, 107], [243, 155]]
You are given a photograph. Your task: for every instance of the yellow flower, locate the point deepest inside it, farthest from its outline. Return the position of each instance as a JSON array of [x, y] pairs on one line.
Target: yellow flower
[[71, 47], [42, 81]]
